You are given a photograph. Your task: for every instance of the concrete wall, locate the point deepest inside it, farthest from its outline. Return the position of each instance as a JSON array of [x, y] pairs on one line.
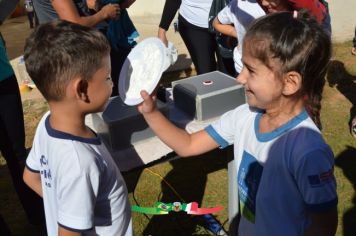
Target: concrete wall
[[343, 19]]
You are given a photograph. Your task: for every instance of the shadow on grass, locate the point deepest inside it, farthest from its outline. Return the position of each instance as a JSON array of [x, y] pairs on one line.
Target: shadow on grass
[[345, 82], [346, 160], [188, 178]]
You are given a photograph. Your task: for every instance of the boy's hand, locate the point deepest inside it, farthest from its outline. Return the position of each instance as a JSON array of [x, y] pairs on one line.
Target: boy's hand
[[149, 103], [111, 11]]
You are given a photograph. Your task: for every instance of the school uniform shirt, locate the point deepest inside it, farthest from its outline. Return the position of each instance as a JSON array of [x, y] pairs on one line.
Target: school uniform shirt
[[241, 14], [82, 187], [196, 12], [281, 175]]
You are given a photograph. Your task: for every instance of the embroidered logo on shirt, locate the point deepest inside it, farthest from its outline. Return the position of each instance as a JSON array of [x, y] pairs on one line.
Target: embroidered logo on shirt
[[45, 171], [321, 179]]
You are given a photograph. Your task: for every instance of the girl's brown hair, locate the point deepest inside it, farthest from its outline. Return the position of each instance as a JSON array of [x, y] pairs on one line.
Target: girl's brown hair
[[296, 43]]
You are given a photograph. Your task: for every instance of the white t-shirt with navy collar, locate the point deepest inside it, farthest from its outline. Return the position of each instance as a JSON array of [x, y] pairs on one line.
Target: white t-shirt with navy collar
[[240, 13], [83, 190], [281, 175]]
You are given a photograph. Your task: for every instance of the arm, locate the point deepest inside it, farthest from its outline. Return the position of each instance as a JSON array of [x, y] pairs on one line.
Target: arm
[[63, 232], [169, 11], [323, 223], [93, 5], [33, 180], [183, 143], [228, 30], [66, 10]]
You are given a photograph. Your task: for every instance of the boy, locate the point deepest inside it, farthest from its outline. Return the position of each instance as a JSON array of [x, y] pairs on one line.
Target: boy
[[82, 188]]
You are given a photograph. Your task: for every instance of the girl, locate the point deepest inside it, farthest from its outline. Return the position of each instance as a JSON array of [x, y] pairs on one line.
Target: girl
[[285, 179]]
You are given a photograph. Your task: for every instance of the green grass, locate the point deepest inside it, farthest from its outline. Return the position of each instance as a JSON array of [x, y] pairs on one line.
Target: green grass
[[185, 180], [204, 178], [339, 106]]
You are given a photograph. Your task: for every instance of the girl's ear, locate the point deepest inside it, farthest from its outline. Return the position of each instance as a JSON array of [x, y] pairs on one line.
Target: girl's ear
[[81, 89], [292, 83]]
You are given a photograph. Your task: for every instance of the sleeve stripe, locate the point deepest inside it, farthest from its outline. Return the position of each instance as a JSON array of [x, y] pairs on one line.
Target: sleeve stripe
[[74, 230], [32, 170], [322, 207], [218, 139]]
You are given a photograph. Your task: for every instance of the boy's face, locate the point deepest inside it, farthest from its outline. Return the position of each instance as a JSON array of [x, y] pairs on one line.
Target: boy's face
[[100, 86]]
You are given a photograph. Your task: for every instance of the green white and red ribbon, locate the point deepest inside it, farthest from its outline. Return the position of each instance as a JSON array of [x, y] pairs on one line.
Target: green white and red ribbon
[[161, 208]]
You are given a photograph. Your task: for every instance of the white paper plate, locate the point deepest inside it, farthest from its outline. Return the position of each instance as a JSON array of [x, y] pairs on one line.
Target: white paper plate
[[142, 70]]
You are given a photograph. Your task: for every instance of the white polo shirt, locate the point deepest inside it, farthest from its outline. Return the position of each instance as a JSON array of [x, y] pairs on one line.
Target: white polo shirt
[[83, 190], [241, 13], [196, 12]]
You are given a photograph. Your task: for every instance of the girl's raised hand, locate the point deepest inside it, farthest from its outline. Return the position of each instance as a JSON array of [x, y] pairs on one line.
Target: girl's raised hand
[[149, 103]]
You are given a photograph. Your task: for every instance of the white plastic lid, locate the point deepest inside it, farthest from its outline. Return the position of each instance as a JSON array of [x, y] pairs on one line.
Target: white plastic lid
[[143, 69]]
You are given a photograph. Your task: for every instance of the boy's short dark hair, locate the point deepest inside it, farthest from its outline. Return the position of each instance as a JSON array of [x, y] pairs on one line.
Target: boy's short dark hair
[[59, 51]]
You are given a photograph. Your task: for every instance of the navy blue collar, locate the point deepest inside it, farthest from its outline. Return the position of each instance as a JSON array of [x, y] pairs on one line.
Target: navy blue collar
[[265, 137], [62, 135]]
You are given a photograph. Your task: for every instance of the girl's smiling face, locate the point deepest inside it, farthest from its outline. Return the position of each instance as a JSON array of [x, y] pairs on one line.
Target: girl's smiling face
[[262, 84], [272, 6]]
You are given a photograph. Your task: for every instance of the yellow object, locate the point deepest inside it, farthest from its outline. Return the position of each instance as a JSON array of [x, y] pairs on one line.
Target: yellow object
[[24, 88]]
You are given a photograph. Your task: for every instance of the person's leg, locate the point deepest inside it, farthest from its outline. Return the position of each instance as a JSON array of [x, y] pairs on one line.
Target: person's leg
[[30, 18], [118, 57], [4, 230], [226, 65], [36, 18], [224, 54], [11, 115], [12, 147], [200, 44]]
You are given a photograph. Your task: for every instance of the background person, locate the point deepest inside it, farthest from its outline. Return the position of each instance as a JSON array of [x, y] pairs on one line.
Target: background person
[[193, 28], [235, 18], [122, 36], [353, 52], [73, 10], [12, 138], [31, 14]]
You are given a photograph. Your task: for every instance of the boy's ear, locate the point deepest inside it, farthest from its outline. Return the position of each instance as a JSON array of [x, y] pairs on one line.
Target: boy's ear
[[292, 83], [81, 89]]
